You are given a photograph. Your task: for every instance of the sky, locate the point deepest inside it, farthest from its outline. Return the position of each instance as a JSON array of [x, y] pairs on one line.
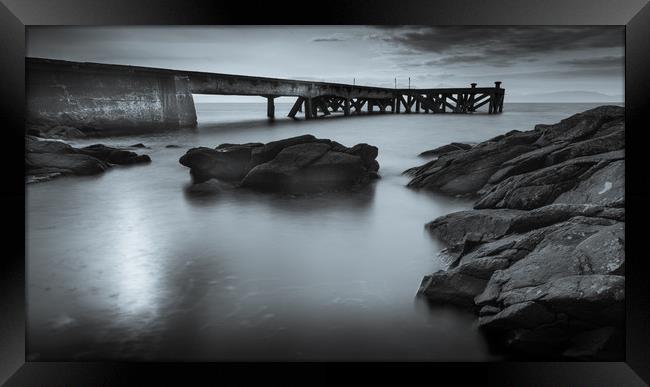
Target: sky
[[535, 64]]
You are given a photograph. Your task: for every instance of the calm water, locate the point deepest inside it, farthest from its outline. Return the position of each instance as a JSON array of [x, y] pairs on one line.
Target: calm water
[[129, 265]]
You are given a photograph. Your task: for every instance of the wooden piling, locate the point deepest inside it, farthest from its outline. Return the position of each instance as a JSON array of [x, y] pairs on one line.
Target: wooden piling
[[270, 107], [308, 108], [297, 106]]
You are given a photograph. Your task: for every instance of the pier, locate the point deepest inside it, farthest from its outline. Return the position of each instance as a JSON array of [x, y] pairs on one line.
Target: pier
[[97, 96]]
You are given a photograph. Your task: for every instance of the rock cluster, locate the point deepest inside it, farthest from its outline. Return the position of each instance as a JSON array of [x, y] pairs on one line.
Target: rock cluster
[[45, 159], [295, 165], [541, 258]]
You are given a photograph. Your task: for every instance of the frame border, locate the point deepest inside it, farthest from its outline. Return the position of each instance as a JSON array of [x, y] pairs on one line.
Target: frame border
[[15, 15]]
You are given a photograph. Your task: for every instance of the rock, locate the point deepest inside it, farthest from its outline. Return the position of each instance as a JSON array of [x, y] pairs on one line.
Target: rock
[[230, 163], [560, 212], [114, 155], [268, 151], [138, 145], [526, 162], [598, 299], [475, 226], [554, 256], [459, 286], [283, 170], [527, 314], [46, 159], [465, 229], [464, 173], [65, 163], [603, 252], [441, 150], [64, 132], [597, 145], [579, 126], [604, 187], [172, 146], [488, 310], [451, 287], [299, 164], [47, 146], [543, 186], [562, 317]]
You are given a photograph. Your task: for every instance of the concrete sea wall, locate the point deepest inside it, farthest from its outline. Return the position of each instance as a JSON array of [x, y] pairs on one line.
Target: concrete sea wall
[[96, 98]]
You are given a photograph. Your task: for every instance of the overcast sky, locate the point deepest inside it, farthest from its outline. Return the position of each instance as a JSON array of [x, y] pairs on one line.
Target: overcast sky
[[574, 63]]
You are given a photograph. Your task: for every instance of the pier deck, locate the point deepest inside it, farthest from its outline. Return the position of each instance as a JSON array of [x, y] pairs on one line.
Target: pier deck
[[94, 93]]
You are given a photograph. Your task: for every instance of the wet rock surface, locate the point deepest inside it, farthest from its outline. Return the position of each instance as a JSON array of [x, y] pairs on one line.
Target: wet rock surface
[[541, 258], [46, 159], [299, 164]]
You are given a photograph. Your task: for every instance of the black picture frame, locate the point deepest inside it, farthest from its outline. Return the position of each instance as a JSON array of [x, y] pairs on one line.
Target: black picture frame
[[16, 14]]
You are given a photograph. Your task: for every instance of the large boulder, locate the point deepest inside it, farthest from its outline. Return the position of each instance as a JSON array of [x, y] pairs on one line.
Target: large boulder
[[299, 164]]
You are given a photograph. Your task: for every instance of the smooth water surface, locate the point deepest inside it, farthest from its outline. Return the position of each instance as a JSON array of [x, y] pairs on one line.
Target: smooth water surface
[[129, 265]]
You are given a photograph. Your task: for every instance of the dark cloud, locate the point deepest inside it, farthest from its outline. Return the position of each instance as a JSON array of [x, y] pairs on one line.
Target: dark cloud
[[330, 39], [455, 60], [595, 74], [599, 62], [509, 41]]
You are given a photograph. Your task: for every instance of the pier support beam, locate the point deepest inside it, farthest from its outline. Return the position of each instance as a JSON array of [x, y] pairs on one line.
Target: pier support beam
[[270, 107], [297, 106], [308, 108], [346, 107]]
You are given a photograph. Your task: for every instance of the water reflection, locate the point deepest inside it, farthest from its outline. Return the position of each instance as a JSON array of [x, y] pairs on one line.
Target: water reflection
[[357, 199]]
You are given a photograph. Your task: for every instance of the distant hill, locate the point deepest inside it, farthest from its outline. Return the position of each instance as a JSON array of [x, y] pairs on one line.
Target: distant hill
[[566, 96]]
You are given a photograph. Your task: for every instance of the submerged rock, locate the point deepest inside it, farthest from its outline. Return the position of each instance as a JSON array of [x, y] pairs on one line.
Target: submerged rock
[[541, 258], [45, 159], [295, 165]]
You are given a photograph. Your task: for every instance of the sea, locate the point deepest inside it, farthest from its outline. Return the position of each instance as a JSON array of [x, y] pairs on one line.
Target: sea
[[132, 265]]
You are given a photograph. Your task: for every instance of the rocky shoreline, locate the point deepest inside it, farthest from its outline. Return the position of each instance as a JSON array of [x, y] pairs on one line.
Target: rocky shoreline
[[541, 257]]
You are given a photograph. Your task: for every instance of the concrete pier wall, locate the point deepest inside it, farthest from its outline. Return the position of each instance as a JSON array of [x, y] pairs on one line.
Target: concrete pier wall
[[106, 98]]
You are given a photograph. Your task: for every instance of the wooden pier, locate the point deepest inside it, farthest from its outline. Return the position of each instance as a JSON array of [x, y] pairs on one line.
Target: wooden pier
[[435, 101], [101, 96]]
